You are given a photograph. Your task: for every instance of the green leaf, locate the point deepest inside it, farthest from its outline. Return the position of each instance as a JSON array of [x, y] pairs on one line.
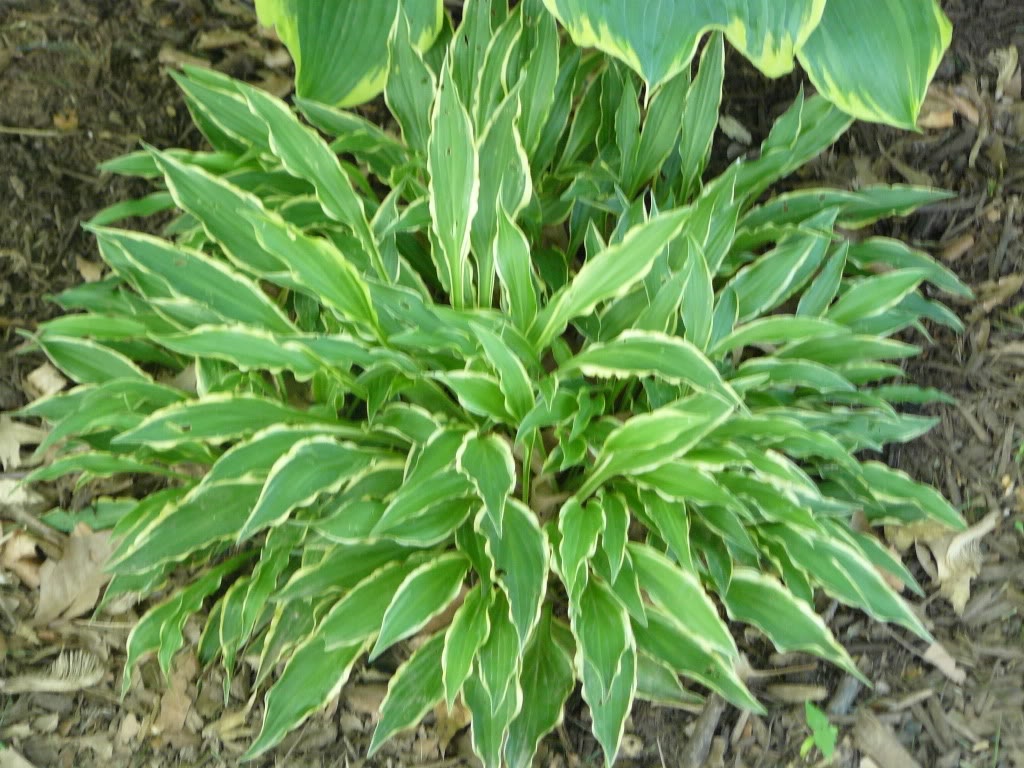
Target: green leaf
[[340, 568], [160, 628], [857, 208], [685, 651], [615, 532], [890, 485], [414, 689], [883, 251], [454, 189], [312, 677], [246, 348], [647, 441], [539, 79], [606, 657], [513, 379], [515, 270], [823, 732], [487, 461], [96, 464], [698, 298], [579, 529], [773, 277], [853, 71], [340, 49], [658, 683], [790, 623], [609, 274], [313, 467], [425, 592], [214, 419], [700, 115], [680, 595], [358, 615], [478, 393], [645, 353], [505, 189], [520, 552], [306, 156], [468, 631], [823, 289], [88, 362], [874, 295], [547, 679], [411, 87], [768, 37], [493, 694], [776, 329]]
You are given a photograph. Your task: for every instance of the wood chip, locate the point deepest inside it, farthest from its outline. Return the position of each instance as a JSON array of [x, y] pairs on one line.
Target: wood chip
[[938, 656], [879, 743]]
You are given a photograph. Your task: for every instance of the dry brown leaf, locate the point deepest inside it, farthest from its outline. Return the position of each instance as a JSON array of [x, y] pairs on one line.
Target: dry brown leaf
[[942, 102], [734, 129], [44, 380], [956, 248], [1006, 63], [21, 556], [70, 587], [448, 723], [951, 559], [172, 723], [91, 271], [365, 698], [66, 120], [13, 435], [941, 659]]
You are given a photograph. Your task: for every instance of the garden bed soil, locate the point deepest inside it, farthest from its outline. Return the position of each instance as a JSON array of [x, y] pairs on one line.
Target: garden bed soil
[[85, 80]]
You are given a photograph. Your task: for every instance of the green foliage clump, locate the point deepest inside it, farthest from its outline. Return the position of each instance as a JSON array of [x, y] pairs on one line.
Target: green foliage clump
[[522, 373]]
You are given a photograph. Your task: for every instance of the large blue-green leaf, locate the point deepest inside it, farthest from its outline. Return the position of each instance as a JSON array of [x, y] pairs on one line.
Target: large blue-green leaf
[[341, 48], [850, 48], [660, 38], [855, 53]]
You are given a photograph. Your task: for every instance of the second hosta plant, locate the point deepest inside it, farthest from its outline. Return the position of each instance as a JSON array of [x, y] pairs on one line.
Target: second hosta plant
[[513, 388]]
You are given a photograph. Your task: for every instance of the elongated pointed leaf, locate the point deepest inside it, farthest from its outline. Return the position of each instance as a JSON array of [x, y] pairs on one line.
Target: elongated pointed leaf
[[679, 593], [312, 677], [700, 115], [547, 679], [414, 689], [215, 419], [790, 623], [610, 274], [493, 694], [425, 592], [644, 353], [487, 461], [454, 188], [468, 631], [521, 553]]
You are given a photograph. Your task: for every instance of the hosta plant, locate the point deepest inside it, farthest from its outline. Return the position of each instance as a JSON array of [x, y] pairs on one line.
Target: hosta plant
[[512, 391]]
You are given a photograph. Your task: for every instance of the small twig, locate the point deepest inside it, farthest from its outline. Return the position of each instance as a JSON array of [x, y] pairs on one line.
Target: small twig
[[697, 748], [46, 133]]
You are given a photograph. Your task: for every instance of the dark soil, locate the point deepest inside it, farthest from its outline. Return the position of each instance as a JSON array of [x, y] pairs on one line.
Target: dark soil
[[82, 81]]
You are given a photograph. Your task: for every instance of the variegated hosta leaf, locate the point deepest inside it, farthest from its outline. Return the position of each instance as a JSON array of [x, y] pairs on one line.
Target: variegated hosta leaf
[[340, 49], [851, 70]]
